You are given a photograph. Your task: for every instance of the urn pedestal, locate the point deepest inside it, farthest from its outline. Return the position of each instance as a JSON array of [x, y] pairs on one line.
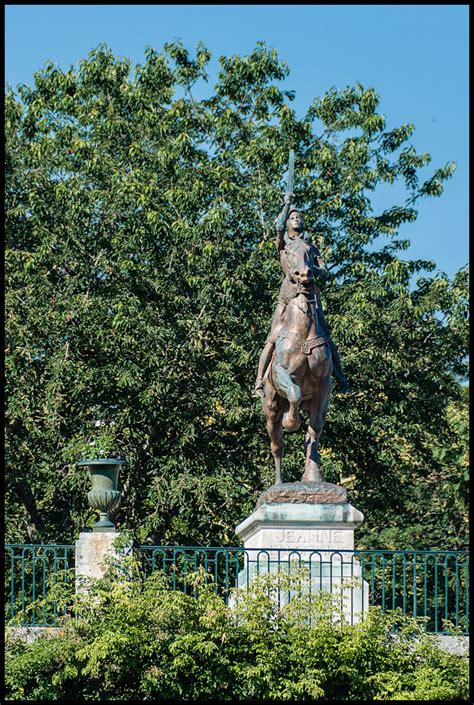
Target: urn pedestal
[[309, 524], [92, 552]]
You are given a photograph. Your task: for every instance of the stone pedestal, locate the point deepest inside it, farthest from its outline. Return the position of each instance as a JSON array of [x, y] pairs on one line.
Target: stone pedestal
[[309, 524], [92, 549]]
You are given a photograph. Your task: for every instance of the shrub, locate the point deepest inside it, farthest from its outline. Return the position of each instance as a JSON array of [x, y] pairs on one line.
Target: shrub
[[135, 637]]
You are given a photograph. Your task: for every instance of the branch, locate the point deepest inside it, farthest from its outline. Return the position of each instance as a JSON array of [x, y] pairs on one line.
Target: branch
[[430, 335]]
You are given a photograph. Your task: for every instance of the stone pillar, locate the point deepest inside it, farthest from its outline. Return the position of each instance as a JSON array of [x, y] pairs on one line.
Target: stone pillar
[[311, 523], [92, 550]]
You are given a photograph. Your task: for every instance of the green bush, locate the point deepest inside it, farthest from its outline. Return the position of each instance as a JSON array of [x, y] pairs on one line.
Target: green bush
[[136, 638]]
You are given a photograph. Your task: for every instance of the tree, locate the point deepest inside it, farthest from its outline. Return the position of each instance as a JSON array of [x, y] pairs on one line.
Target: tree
[[141, 280]]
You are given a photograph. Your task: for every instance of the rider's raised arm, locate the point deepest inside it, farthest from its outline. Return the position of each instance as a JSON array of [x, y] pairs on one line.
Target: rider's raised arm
[[281, 223]]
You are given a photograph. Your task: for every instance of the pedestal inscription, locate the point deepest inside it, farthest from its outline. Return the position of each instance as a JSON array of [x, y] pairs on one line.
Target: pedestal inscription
[[304, 525], [309, 538]]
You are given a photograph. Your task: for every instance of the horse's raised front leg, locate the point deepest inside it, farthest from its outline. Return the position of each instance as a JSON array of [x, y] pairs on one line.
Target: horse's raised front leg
[[318, 411], [287, 361], [291, 419]]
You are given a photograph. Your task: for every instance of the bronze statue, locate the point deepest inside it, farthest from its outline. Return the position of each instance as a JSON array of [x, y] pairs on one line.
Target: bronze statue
[[299, 356]]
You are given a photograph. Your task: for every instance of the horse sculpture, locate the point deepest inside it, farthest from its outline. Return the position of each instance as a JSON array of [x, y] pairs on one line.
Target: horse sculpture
[[299, 374]]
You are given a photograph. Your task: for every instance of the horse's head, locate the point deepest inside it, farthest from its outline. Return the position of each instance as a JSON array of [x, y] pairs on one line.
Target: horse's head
[[299, 256]]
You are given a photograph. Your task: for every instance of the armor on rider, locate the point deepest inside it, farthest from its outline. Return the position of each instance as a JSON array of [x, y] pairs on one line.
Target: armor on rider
[[290, 289]]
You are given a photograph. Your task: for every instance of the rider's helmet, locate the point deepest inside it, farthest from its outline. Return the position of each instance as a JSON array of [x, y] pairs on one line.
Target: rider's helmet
[[294, 209]]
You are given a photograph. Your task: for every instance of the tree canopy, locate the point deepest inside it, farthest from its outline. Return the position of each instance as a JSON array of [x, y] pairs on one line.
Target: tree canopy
[[142, 274]]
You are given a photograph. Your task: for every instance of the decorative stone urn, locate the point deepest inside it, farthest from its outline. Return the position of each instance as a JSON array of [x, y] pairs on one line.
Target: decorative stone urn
[[104, 495]]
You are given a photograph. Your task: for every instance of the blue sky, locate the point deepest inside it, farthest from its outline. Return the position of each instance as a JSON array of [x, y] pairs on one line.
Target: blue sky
[[415, 56]]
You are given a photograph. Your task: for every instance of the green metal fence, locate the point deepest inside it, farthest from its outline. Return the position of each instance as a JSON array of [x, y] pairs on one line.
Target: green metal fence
[[429, 584], [31, 571]]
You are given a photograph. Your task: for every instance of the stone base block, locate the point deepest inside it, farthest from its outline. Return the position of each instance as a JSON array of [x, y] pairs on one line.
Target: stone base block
[[301, 526], [309, 525], [336, 574], [31, 634]]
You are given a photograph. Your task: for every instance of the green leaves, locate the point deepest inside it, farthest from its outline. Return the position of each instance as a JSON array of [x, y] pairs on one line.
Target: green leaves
[[434, 185], [139, 639], [142, 277]]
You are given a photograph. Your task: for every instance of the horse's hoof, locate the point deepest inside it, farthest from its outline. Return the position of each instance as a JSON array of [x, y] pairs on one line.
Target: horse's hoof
[[291, 424]]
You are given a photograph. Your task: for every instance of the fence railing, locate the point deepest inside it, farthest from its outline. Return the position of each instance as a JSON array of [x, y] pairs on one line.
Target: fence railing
[[429, 584], [30, 571]]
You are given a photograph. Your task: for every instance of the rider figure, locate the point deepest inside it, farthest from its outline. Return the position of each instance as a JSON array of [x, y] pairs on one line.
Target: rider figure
[[289, 225]]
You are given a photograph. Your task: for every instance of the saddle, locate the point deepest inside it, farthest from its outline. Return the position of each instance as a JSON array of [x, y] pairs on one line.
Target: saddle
[[316, 342]]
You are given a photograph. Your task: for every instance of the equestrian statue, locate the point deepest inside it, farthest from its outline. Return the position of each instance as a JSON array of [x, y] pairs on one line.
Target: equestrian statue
[[299, 358]]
